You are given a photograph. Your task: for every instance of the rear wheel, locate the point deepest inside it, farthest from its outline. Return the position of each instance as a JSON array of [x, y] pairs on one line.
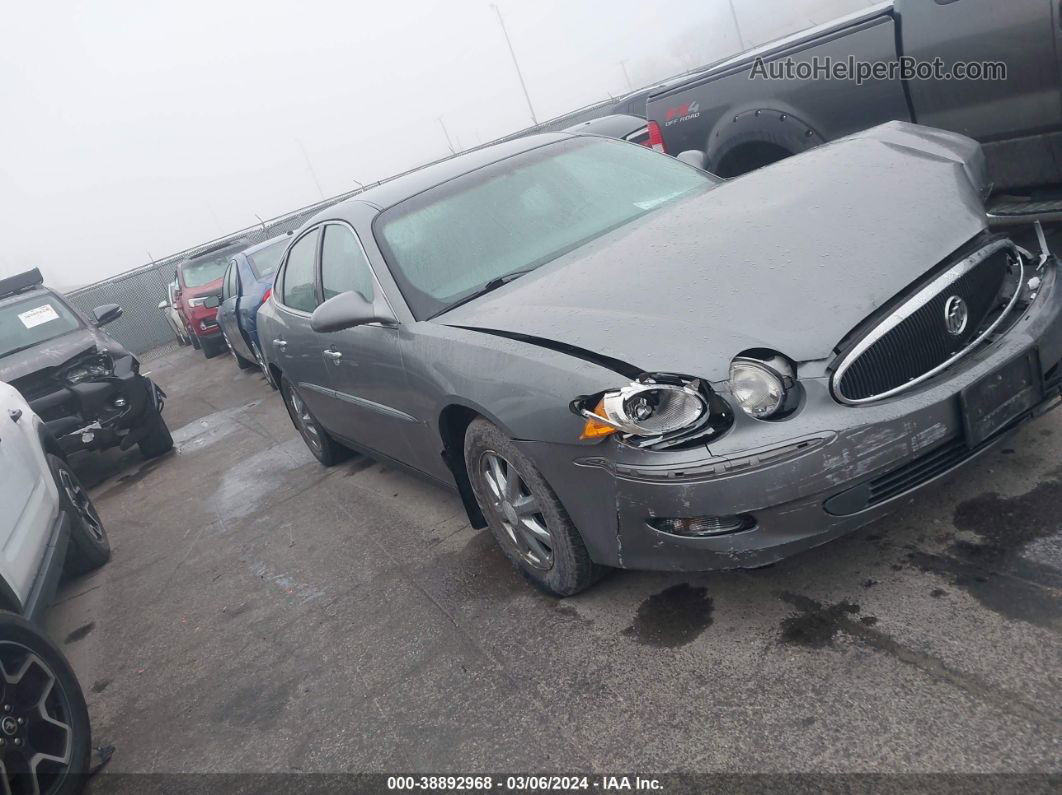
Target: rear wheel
[[44, 723], [195, 340], [212, 346], [524, 514], [324, 448], [89, 548], [157, 441]]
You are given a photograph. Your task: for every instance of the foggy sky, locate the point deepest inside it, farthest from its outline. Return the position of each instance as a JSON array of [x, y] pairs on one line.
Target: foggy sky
[[136, 127]]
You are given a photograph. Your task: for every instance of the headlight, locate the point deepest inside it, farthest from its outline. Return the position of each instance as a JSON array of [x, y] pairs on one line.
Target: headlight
[[87, 369], [658, 410], [761, 387]]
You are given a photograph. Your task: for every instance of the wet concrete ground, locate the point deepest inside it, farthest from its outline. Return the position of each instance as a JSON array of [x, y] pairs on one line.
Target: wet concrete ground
[[262, 613]]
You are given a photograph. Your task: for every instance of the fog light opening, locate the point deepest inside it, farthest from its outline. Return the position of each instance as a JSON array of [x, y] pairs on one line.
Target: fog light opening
[[702, 526], [120, 402]]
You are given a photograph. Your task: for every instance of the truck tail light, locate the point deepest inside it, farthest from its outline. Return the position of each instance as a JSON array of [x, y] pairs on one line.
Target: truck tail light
[[656, 140]]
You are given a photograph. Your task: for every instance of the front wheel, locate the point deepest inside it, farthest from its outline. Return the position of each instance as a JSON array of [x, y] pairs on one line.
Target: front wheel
[[525, 516], [44, 723], [89, 548]]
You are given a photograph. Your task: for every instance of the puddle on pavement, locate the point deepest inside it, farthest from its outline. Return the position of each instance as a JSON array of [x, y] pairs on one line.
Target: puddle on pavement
[[247, 484], [672, 618], [816, 625], [1015, 569]]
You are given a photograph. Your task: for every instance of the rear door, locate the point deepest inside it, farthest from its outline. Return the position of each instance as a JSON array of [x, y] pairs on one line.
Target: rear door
[[295, 348], [364, 364], [28, 502], [1018, 33], [227, 309]]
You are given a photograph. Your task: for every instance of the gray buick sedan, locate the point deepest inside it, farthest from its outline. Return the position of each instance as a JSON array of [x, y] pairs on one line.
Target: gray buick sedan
[[619, 360]]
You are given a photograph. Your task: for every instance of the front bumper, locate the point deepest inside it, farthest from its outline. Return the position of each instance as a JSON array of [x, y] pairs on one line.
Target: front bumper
[[823, 473], [96, 415]]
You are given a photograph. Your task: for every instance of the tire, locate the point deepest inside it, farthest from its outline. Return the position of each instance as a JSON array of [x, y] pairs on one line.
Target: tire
[[25, 649], [196, 345], [324, 448], [157, 441], [556, 563], [211, 347], [242, 363], [89, 548]]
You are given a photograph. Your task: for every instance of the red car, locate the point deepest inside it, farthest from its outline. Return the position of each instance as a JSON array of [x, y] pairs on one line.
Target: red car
[[199, 282]]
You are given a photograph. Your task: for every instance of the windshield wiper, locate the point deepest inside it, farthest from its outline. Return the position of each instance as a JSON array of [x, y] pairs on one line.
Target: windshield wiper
[[490, 286]]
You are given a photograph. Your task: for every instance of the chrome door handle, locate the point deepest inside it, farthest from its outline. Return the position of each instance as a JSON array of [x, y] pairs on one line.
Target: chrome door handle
[[280, 343], [333, 355], [15, 414]]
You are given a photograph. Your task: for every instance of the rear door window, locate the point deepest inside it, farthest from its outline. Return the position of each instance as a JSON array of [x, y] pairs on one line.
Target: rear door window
[[299, 290]]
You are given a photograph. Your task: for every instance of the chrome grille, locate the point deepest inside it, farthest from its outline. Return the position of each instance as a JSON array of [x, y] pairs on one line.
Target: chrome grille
[[914, 343]]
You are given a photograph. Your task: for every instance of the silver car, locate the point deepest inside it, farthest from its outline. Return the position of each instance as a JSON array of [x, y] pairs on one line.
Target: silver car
[[620, 360]]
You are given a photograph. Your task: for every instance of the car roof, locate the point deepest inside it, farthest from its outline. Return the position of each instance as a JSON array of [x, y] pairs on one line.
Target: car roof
[[400, 188], [265, 244], [616, 125]]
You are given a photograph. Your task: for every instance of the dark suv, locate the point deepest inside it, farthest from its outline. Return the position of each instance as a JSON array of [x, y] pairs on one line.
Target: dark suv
[[79, 380]]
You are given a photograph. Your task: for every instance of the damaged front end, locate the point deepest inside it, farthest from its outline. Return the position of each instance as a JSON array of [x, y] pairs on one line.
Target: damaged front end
[[656, 411], [95, 400]]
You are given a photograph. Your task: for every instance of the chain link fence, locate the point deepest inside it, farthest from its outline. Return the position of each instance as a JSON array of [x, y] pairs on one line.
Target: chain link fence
[[143, 326]]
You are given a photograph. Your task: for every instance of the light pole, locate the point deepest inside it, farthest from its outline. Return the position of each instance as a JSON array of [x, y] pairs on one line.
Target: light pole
[[309, 167], [627, 77], [516, 63]]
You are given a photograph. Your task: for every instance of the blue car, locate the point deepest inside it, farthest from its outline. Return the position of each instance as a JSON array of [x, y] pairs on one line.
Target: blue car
[[246, 284]]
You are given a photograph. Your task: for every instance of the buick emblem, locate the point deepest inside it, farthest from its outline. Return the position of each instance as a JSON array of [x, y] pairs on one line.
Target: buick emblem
[[955, 315]]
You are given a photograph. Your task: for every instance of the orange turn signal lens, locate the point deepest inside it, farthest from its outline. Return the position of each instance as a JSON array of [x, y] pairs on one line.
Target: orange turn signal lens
[[594, 429]]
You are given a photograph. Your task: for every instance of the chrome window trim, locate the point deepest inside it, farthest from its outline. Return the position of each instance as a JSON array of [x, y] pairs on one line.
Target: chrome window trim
[[916, 302]]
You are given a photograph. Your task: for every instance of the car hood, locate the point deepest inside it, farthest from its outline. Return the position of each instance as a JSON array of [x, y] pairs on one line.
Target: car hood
[[52, 353], [791, 257]]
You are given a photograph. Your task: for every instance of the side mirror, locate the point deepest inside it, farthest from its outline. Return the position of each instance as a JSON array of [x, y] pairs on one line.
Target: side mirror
[[106, 314], [348, 310], [163, 304], [212, 301], [695, 158]]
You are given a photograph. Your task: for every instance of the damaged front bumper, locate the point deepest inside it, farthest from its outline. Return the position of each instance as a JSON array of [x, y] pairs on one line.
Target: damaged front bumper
[[97, 414], [826, 472]]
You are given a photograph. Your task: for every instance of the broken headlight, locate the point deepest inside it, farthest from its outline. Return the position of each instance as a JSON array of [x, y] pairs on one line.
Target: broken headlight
[[656, 410], [101, 366]]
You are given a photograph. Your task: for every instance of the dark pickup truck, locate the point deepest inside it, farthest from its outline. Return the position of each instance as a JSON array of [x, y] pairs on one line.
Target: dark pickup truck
[[742, 119]]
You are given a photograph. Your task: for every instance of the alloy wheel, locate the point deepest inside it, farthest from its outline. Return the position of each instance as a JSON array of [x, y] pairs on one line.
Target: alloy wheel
[[82, 503], [304, 421], [518, 511], [36, 738]]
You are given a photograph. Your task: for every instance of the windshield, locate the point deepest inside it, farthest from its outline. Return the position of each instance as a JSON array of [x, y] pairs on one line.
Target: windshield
[[446, 243], [204, 271], [264, 262], [33, 320]]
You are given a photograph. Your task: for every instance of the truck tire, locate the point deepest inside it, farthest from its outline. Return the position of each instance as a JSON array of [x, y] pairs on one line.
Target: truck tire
[[67, 733], [524, 515], [194, 338], [157, 441], [756, 138], [89, 548], [211, 347]]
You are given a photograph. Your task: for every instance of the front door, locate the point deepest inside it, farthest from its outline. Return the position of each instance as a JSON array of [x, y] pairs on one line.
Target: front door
[[370, 392]]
